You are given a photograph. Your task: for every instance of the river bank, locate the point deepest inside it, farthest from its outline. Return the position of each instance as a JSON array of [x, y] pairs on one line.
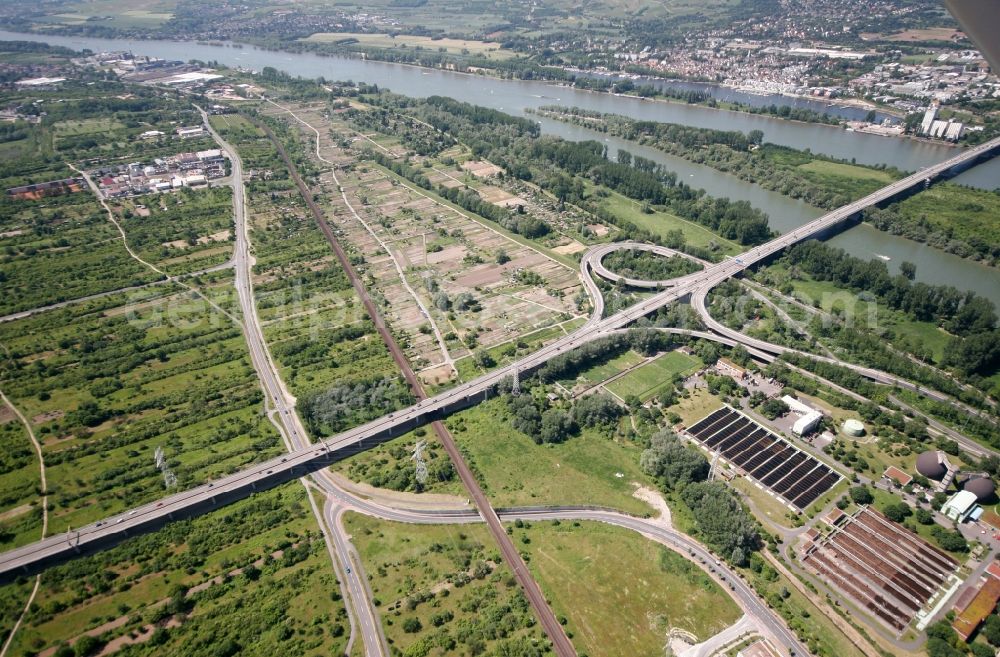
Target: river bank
[[958, 220], [808, 109], [516, 96]]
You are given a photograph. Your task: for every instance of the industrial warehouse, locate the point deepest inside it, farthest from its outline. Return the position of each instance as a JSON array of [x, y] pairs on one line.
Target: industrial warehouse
[[161, 175]]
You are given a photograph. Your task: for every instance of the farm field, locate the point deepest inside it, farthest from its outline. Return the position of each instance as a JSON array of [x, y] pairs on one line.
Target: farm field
[[256, 568], [514, 348], [442, 590], [116, 13], [176, 376], [316, 327], [647, 381], [20, 505], [489, 49], [62, 249], [181, 232]]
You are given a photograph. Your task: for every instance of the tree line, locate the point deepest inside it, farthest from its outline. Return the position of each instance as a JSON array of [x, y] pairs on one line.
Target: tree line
[[971, 319]]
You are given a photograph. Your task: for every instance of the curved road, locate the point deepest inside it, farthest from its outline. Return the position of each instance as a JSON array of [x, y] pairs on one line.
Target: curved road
[[593, 261], [768, 622], [305, 458]]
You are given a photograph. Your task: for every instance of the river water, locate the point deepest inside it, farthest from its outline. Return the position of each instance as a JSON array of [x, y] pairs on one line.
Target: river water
[[729, 94], [514, 96]]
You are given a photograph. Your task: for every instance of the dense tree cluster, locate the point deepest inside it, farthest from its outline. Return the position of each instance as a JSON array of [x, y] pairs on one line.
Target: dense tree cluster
[[544, 423], [641, 180], [671, 462], [722, 521], [349, 404], [975, 349], [745, 156], [962, 313], [647, 266]]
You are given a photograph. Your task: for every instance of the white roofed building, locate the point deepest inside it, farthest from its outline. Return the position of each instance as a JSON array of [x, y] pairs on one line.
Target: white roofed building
[[961, 506], [807, 423]]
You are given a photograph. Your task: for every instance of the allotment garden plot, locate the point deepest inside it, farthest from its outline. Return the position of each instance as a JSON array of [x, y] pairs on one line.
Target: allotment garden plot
[[477, 287]]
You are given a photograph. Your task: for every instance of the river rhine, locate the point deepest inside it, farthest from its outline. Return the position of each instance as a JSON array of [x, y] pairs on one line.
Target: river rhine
[[514, 96]]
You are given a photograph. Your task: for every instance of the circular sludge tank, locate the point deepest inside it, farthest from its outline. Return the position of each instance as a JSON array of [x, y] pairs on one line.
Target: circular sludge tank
[[982, 487], [853, 428], [929, 464]]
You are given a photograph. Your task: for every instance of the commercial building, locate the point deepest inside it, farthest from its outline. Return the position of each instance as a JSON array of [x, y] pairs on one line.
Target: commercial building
[[51, 188], [807, 423], [798, 406], [727, 367], [211, 155], [39, 83], [162, 174], [809, 417], [961, 506], [190, 131]]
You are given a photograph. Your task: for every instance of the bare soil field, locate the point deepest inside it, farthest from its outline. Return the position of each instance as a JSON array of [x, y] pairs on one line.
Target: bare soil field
[[481, 168], [926, 34]]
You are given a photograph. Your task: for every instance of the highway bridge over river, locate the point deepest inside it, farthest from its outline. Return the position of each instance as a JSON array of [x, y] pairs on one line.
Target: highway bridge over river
[[100, 535]]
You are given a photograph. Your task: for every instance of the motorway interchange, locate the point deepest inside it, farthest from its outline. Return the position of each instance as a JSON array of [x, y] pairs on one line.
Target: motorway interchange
[[304, 457]]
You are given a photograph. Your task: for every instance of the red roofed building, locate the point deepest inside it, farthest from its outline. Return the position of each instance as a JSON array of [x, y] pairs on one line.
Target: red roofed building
[[972, 610], [897, 475]]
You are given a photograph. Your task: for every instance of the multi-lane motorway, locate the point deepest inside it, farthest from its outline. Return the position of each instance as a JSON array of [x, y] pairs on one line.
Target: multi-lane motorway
[[303, 459]]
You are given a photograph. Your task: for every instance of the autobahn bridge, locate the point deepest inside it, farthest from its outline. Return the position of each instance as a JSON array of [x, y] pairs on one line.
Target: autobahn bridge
[[100, 535]]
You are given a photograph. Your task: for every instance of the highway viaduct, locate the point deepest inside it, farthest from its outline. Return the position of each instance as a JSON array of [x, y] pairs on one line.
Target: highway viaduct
[[36, 556]]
